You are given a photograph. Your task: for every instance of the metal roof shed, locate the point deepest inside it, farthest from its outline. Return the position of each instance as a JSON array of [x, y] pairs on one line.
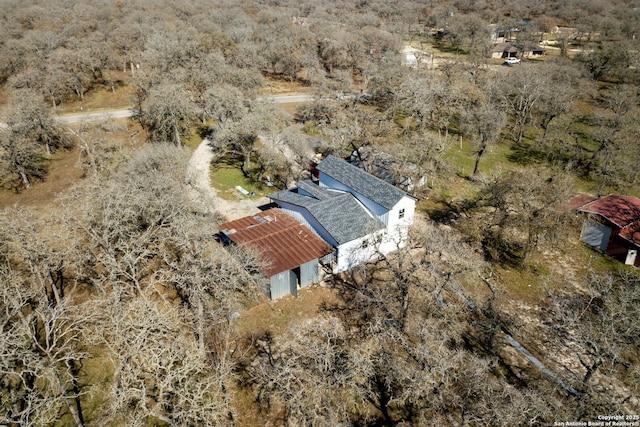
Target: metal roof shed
[[613, 225], [289, 250]]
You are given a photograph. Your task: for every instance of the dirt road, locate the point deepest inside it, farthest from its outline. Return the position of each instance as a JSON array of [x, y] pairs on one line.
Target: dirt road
[[126, 113]]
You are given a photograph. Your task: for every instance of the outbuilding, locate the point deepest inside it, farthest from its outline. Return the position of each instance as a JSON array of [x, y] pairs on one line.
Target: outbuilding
[[290, 252], [504, 50], [612, 225]]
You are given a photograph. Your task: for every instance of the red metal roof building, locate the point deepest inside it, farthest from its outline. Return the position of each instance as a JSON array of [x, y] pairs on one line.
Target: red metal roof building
[[289, 249], [613, 225]]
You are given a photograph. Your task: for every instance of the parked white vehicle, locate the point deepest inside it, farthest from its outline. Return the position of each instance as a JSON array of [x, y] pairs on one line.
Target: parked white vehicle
[[511, 61]]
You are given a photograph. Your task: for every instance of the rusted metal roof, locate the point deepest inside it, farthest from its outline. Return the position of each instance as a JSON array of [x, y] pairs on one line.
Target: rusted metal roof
[[282, 241], [580, 200], [631, 233], [623, 211]]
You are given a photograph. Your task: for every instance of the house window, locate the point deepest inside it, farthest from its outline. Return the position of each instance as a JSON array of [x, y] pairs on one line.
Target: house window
[[401, 214]]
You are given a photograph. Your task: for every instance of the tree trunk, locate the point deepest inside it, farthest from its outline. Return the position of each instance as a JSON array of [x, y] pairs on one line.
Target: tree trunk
[[520, 131], [405, 306], [545, 126], [384, 402], [478, 155], [111, 84], [75, 371], [201, 329], [72, 408], [591, 369], [176, 136], [25, 179]]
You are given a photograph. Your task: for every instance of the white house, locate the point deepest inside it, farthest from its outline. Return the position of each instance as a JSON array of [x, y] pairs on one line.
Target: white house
[[356, 213]]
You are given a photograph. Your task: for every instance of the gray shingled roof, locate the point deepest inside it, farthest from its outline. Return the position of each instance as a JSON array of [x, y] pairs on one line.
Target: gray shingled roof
[[374, 188], [290, 196], [315, 190], [343, 217]]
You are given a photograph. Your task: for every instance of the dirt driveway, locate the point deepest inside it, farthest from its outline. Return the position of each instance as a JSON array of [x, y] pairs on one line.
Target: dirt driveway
[[198, 178]]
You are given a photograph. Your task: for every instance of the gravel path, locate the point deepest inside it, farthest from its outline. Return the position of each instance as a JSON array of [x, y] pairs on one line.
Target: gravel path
[[202, 192]]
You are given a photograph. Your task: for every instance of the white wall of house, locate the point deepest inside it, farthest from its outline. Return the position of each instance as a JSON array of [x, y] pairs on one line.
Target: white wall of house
[[399, 220], [356, 252], [631, 257]]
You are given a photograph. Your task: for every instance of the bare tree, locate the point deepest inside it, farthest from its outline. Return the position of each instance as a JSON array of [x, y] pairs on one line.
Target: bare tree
[[20, 161], [305, 375], [241, 136], [159, 374], [616, 127], [223, 103], [597, 331], [97, 151], [521, 91], [483, 123], [562, 89], [41, 330], [526, 208], [29, 131], [28, 117], [285, 155], [168, 113]]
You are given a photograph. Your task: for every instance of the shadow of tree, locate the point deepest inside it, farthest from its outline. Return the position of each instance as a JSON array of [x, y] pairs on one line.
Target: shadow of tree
[[526, 154]]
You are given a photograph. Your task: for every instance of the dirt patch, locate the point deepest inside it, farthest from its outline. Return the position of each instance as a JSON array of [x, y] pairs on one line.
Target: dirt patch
[[63, 173], [102, 97], [277, 315], [281, 87]]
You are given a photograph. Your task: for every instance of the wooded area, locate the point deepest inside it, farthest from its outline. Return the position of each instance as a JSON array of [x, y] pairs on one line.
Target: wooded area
[[118, 307]]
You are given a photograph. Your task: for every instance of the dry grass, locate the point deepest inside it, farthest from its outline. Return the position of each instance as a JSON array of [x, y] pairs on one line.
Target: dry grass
[[4, 98], [280, 87], [62, 174], [102, 98], [276, 316], [63, 171]]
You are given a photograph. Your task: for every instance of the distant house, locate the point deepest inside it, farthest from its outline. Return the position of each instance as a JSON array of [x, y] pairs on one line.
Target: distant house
[[504, 50], [536, 51], [499, 35], [358, 214], [289, 250], [509, 50], [612, 225]]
